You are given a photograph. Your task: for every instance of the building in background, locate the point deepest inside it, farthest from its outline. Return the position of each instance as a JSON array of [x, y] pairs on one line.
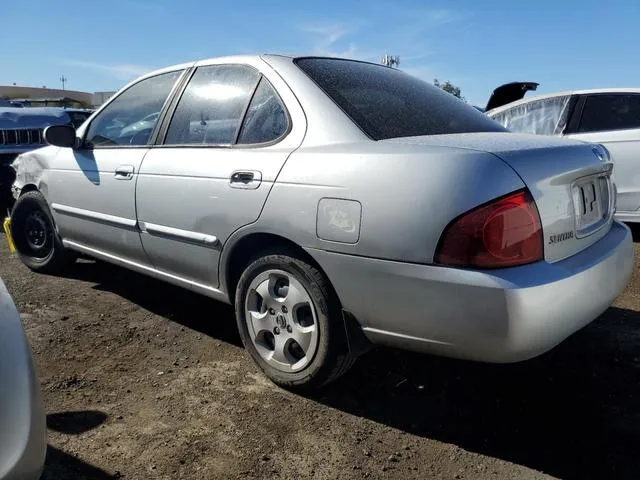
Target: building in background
[[53, 97], [101, 97]]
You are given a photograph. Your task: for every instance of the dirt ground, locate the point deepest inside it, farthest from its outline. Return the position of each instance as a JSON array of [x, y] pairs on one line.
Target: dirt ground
[[143, 380]]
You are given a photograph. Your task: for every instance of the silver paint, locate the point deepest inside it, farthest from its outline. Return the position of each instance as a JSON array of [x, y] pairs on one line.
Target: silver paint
[[23, 430], [407, 191], [338, 220]]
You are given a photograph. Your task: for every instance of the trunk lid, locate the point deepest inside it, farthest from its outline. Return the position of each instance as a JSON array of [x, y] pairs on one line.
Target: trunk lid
[[509, 92], [570, 184]]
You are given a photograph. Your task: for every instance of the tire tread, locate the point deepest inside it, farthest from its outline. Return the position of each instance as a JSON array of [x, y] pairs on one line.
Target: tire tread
[[339, 355], [61, 257]]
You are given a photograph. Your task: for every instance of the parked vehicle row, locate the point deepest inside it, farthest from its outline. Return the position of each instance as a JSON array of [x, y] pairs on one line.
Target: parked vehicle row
[[335, 204]]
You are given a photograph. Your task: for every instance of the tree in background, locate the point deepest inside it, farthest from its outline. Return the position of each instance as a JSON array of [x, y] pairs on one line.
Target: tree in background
[[449, 87]]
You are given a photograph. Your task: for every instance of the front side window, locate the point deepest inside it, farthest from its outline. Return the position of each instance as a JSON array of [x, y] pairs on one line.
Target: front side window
[[387, 103], [608, 112], [547, 116], [266, 119], [212, 106], [131, 117]]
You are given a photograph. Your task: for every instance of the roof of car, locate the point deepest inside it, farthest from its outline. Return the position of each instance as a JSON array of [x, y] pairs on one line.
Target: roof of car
[[239, 59], [222, 59], [589, 91]]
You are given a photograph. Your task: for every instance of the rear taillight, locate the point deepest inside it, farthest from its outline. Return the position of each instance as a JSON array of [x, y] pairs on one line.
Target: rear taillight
[[503, 233]]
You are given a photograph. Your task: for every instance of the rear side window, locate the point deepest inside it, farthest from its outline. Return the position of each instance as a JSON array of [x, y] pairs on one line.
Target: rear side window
[[387, 103], [266, 119], [547, 116], [603, 113], [211, 108]]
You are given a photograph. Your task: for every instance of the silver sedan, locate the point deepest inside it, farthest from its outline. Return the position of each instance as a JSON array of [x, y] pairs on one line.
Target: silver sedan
[[23, 431], [336, 204]]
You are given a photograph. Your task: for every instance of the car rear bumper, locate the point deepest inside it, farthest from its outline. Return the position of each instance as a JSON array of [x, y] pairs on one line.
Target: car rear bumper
[[23, 434], [501, 316]]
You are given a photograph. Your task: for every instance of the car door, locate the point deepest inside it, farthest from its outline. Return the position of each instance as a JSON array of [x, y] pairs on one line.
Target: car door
[[92, 188], [227, 140], [613, 120]]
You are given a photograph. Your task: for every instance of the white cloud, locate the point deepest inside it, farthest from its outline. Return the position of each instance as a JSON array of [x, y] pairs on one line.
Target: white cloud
[[119, 71], [394, 30], [327, 39], [329, 34]]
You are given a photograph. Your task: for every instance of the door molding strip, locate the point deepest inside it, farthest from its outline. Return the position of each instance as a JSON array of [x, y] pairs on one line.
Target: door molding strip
[[94, 216], [179, 234]]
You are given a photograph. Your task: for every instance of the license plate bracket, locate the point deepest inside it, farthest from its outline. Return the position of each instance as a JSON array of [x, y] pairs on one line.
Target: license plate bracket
[[591, 202]]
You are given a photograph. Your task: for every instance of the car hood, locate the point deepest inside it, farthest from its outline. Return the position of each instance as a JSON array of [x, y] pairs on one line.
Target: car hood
[[32, 117], [509, 92]]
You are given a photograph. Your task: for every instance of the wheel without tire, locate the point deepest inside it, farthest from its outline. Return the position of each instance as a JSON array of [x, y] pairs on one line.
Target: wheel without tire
[[290, 322], [35, 236]]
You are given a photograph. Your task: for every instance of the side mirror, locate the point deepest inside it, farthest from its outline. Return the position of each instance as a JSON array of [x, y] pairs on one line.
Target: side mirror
[[60, 136]]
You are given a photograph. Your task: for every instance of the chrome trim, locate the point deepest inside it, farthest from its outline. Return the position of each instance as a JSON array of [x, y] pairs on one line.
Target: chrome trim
[[201, 288], [94, 216], [179, 234], [20, 137]]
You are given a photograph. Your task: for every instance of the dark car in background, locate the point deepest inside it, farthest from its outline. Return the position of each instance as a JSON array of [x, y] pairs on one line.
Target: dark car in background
[[21, 131]]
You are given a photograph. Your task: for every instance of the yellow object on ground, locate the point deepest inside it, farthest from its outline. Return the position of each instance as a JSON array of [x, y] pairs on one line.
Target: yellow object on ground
[[7, 230]]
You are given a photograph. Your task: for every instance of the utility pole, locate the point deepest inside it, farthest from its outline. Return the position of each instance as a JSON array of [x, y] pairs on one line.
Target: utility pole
[[64, 80], [391, 61]]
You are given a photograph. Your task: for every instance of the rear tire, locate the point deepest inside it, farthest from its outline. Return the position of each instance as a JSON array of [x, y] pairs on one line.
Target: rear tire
[[34, 234], [290, 322]]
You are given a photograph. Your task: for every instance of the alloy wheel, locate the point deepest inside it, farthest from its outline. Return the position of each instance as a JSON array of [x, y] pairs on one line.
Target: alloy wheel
[[281, 320]]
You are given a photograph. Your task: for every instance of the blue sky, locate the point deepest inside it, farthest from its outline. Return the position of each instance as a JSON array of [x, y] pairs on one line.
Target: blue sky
[[476, 44]]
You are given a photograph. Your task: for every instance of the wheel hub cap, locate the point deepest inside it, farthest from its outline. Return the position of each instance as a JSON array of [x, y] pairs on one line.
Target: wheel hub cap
[[281, 320], [37, 234]]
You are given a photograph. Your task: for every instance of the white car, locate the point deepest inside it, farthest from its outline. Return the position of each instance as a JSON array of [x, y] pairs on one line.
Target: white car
[[610, 117], [23, 429]]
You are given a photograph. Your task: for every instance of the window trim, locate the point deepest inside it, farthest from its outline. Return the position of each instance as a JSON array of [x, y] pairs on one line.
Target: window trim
[[160, 140], [575, 114], [154, 132], [601, 94]]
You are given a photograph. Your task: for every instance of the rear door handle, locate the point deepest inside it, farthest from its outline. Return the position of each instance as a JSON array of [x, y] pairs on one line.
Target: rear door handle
[[124, 172], [249, 179]]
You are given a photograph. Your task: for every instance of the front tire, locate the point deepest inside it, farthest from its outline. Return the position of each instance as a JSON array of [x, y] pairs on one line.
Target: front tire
[[290, 322], [34, 235]]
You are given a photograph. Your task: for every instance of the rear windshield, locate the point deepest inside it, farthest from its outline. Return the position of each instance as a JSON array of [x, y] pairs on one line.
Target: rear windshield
[[387, 103]]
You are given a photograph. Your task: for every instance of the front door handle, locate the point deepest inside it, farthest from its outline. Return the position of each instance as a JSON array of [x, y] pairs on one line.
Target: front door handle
[[249, 179], [124, 172]]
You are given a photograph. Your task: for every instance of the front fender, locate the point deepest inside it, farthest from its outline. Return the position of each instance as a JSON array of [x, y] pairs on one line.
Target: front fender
[[31, 169]]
